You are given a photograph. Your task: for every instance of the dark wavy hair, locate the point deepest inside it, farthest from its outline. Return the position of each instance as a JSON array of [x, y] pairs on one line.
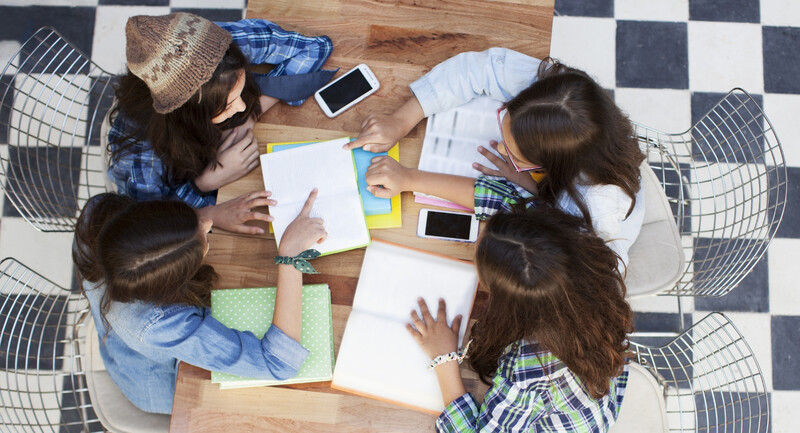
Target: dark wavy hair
[[185, 139], [570, 125], [147, 251], [551, 280]]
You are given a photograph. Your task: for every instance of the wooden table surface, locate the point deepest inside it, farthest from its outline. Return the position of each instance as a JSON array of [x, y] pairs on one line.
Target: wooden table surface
[[400, 40]]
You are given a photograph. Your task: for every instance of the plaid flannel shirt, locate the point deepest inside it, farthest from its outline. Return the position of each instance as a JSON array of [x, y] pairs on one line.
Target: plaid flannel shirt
[[524, 397], [139, 173], [495, 194]]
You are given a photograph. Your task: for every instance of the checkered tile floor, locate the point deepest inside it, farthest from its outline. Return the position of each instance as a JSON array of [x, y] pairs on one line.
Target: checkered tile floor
[[666, 61]]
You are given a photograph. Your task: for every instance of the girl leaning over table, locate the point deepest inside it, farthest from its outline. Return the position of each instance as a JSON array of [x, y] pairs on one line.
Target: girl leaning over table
[[564, 143], [142, 269], [552, 341], [182, 122]]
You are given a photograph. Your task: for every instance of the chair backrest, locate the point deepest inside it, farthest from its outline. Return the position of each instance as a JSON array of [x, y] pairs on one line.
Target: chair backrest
[[53, 100], [711, 380], [42, 377], [725, 179]]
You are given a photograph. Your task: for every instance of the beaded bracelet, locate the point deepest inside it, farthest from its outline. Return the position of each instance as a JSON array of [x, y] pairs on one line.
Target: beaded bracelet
[[300, 261], [458, 355]]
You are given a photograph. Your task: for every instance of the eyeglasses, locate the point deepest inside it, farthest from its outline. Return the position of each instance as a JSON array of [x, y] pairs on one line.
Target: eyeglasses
[[501, 113]]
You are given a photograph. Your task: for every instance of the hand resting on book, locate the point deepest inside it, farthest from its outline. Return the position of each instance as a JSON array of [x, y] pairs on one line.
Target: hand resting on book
[[233, 214], [304, 232]]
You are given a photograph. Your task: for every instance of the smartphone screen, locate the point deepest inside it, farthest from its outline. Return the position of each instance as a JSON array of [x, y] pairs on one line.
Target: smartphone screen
[[448, 225], [346, 90]]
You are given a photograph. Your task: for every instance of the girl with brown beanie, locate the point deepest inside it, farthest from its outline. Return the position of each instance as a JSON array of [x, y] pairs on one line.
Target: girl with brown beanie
[[181, 126]]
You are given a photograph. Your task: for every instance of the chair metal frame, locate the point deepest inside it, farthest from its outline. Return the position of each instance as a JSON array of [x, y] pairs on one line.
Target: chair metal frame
[[54, 100], [726, 181], [43, 377], [710, 378]]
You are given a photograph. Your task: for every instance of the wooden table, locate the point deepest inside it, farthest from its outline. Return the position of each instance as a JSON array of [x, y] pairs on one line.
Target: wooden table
[[400, 40]]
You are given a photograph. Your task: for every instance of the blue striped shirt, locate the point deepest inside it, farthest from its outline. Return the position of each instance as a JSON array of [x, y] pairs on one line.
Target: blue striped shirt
[[139, 173]]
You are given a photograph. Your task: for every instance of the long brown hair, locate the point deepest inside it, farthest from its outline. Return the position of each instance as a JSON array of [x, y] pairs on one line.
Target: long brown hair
[[185, 139], [551, 280], [147, 251], [567, 123]]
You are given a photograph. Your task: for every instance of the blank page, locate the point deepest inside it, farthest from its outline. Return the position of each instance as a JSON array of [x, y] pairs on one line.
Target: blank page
[[378, 357]]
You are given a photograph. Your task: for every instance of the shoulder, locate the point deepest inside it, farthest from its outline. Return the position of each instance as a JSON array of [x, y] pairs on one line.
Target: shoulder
[[527, 365]]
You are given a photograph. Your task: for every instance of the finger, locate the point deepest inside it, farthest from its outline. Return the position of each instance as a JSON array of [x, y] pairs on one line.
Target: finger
[[381, 192], [257, 195], [367, 121], [309, 202], [353, 144], [456, 324], [261, 202], [418, 322], [249, 230], [485, 170], [378, 159], [426, 314], [414, 333], [253, 215], [496, 160], [441, 315]]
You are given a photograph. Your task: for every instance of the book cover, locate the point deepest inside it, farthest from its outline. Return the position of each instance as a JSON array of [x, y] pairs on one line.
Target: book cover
[[252, 310]]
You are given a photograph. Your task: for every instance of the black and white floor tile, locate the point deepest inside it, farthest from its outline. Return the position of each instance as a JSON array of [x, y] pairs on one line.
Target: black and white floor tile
[[667, 62]]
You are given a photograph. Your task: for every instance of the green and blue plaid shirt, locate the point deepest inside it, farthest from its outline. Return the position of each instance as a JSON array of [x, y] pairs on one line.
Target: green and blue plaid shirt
[[533, 391], [139, 173], [495, 194]]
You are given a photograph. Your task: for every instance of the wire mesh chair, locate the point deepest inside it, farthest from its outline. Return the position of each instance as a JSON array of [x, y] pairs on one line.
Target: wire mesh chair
[[42, 381], [710, 381], [725, 179], [53, 101]]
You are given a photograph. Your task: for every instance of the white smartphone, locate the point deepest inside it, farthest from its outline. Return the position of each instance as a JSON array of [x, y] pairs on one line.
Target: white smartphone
[[450, 226], [347, 90]]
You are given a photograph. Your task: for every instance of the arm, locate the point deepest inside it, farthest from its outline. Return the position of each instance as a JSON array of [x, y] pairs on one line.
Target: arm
[[300, 235], [387, 178], [262, 41], [497, 72]]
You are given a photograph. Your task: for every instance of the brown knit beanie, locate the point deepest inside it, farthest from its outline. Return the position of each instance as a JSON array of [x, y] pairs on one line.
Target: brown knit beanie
[[174, 55]]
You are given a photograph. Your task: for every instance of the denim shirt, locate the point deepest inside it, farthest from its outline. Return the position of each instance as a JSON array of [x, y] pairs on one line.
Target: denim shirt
[[502, 74], [142, 350]]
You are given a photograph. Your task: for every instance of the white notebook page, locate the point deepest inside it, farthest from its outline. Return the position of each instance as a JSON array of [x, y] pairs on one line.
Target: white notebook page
[[291, 175], [377, 356]]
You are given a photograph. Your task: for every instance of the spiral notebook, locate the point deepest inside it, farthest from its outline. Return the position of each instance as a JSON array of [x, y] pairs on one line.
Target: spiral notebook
[[252, 309]]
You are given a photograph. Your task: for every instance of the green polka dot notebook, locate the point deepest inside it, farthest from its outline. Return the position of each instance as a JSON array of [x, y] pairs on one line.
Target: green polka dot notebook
[[251, 310]]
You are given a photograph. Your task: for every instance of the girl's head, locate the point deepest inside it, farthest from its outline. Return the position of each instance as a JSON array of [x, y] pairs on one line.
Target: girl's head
[[568, 124], [187, 81], [148, 251], [551, 280]]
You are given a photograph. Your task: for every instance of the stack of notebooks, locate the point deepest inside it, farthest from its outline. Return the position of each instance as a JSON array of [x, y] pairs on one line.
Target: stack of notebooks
[[292, 170], [252, 309]]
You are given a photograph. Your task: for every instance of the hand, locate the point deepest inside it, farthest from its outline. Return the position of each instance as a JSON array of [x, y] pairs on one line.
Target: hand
[[386, 177], [434, 336], [303, 232], [380, 132], [505, 169], [237, 156], [233, 214]]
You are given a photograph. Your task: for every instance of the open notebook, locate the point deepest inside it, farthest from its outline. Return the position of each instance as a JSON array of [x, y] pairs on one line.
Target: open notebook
[[293, 173], [381, 213], [377, 357], [252, 309]]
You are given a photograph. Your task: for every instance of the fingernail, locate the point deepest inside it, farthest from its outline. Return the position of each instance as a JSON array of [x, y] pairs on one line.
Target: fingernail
[[475, 165], [260, 231], [368, 148], [481, 149]]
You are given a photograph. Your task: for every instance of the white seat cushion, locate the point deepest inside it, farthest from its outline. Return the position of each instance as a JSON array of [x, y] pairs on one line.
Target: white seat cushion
[[114, 410], [656, 260], [643, 407]]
